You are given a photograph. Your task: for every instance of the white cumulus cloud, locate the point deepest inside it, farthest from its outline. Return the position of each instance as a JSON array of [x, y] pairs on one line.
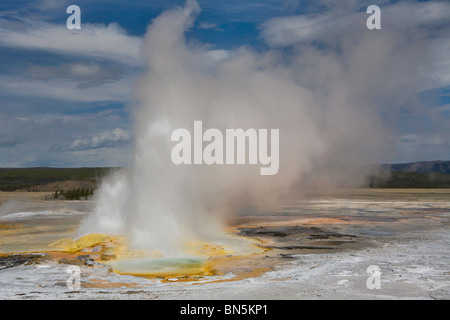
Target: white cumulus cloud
[[100, 41], [105, 139]]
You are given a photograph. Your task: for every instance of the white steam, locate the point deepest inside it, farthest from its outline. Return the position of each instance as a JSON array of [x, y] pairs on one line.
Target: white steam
[[327, 104]]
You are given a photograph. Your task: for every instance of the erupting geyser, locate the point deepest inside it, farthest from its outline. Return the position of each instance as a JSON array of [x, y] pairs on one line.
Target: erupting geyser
[[326, 124]]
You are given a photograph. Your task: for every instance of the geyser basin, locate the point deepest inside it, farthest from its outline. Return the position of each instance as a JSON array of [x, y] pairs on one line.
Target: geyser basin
[[163, 267], [195, 259], [198, 259]]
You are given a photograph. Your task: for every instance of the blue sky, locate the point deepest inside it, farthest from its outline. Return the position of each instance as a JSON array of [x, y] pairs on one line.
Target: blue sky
[[66, 102]]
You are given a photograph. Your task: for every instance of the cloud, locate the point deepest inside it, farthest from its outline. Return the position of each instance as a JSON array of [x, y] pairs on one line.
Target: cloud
[[87, 65], [440, 49], [404, 16], [54, 140], [12, 131], [206, 25], [408, 55], [333, 57], [54, 81], [52, 4], [107, 139], [424, 146], [96, 41], [6, 141], [286, 31], [86, 74], [67, 89]]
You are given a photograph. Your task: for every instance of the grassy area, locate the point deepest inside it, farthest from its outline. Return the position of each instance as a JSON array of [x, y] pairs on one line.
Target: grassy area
[[17, 178]]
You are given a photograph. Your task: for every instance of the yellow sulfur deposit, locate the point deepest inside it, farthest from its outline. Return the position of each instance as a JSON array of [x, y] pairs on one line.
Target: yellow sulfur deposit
[[205, 249], [105, 247], [199, 258]]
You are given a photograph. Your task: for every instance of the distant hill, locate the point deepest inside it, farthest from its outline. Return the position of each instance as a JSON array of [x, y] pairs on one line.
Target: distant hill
[[422, 174]]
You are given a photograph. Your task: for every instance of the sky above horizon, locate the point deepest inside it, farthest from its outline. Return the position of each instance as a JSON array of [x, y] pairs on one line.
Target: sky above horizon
[[66, 95]]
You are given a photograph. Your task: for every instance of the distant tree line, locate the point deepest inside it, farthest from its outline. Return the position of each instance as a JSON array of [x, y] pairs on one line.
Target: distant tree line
[[12, 179], [410, 180], [74, 194], [14, 187]]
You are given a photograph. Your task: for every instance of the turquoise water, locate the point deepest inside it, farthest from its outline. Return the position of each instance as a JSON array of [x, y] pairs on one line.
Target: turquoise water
[[156, 265]]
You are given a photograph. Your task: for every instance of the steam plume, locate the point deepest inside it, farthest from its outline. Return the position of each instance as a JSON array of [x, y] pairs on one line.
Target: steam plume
[[325, 102]]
